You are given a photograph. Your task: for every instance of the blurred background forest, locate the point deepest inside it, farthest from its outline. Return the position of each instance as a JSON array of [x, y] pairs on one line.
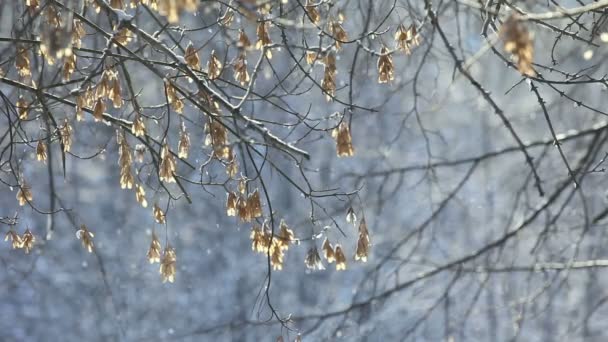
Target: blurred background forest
[[179, 170]]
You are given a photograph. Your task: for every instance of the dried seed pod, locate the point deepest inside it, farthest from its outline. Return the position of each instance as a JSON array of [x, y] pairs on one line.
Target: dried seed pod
[[27, 241], [191, 57], [351, 217], [159, 215], [24, 195], [254, 205], [312, 12], [124, 162], [343, 138], [407, 38], [167, 265], [243, 42], [285, 236], [154, 251], [69, 65], [217, 137], [241, 74], [328, 85], [313, 260], [276, 256], [338, 33], [363, 242], [16, 241], [140, 152], [140, 195], [99, 109], [232, 167], [260, 239], [41, 151], [518, 42], [78, 32], [84, 235], [311, 57], [385, 66], [167, 165], [328, 251], [214, 66], [22, 108], [231, 204], [263, 38], [184, 143], [22, 62], [66, 132], [138, 128], [243, 209], [123, 36], [340, 259], [174, 100]]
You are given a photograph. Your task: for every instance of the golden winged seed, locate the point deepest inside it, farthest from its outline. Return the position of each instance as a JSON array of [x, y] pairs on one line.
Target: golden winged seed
[[159, 215], [167, 265], [27, 241], [167, 165], [16, 241], [231, 204], [313, 260], [184, 143], [241, 74], [340, 259], [518, 42], [328, 251], [344, 144], [351, 217], [154, 250], [214, 66], [140, 195], [138, 128], [363, 242], [84, 235], [41, 151], [24, 195], [263, 38], [191, 57], [385, 66], [313, 12]]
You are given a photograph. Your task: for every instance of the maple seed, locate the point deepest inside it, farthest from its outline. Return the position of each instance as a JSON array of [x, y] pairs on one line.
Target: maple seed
[[385, 66], [344, 142], [231, 204], [363, 242], [167, 165], [214, 66], [350, 216], [86, 237], [340, 259], [27, 241], [328, 251], [191, 57], [154, 250], [41, 151], [518, 42], [263, 38], [313, 260], [16, 241], [184, 143], [167, 265], [159, 215], [24, 195]]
